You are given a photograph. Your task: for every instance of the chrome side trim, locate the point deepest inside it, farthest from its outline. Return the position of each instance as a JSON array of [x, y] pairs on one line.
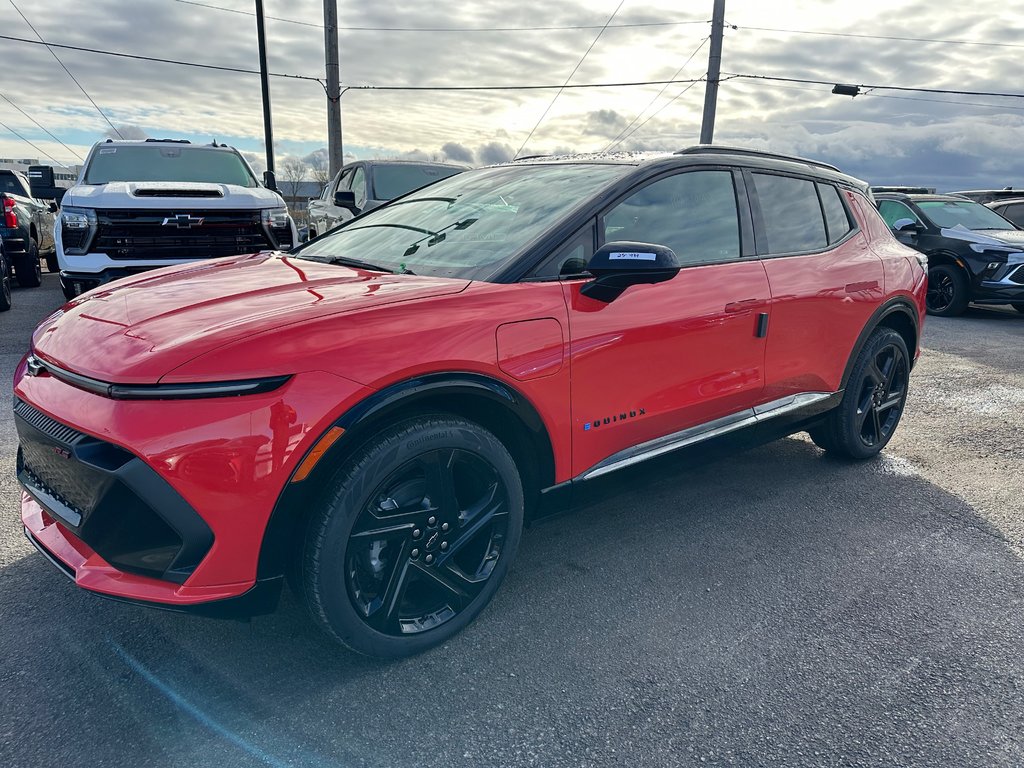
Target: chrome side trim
[[701, 432]]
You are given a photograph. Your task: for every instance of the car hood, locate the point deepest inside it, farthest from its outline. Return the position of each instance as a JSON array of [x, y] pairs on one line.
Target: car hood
[[167, 194], [1014, 237], [137, 330]]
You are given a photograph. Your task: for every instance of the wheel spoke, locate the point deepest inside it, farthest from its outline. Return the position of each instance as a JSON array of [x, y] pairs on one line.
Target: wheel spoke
[[385, 616], [458, 588], [370, 525], [437, 466], [877, 422], [496, 508], [890, 402]]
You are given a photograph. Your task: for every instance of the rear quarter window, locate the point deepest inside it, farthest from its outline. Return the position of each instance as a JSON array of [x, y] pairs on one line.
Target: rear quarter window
[[791, 214]]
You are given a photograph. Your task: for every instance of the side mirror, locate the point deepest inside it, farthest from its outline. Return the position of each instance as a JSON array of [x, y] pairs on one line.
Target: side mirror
[[270, 180], [346, 198], [52, 207], [618, 265], [906, 226]]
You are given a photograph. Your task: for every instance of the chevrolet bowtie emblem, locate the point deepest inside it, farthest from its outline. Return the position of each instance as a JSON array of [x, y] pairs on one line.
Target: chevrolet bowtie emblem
[[183, 221]]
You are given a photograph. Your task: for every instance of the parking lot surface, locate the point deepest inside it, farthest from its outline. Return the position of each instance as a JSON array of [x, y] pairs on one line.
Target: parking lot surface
[[765, 606]]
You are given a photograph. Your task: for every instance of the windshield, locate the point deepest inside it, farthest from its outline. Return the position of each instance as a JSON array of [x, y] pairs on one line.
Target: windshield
[[167, 162], [467, 225], [391, 181], [949, 213]]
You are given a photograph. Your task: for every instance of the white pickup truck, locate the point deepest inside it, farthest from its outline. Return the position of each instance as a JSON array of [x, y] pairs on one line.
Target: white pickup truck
[[138, 205]]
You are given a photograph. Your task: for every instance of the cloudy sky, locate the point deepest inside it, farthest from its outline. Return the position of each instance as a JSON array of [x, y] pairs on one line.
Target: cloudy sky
[[884, 136]]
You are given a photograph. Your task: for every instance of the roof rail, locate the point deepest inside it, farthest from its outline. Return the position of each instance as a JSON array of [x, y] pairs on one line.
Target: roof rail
[[722, 149]]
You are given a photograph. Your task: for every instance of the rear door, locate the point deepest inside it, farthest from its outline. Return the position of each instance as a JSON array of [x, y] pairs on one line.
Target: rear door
[[825, 280], [663, 358]]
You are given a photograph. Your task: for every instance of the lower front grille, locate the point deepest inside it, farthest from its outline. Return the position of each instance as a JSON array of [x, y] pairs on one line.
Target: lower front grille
[[1017, 276]]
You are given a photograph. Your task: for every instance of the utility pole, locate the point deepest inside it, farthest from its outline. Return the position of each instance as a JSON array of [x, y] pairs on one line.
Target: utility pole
[[707, 124], [334, 148], [268, 127]]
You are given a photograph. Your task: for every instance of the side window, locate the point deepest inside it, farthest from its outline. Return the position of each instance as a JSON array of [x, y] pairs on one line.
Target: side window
[[892, 211], [568, 260], [837, 220], [1014, 213], [791, 214], [359, 186], [692, 213]]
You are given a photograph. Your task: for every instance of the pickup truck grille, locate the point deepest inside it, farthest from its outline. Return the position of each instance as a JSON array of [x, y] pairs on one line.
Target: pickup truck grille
[[185, 235]]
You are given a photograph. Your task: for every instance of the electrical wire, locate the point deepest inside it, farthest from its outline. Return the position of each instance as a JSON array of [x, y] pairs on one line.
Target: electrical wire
[[448, 29], [660, 110], [733, 75], [68, 71], [876, 37], [571, 74], [38, 125], [620, 137], [37, 149]]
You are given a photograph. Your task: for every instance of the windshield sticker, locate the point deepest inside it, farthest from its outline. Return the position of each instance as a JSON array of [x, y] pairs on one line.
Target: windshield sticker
[[632, 256], [108, 150]]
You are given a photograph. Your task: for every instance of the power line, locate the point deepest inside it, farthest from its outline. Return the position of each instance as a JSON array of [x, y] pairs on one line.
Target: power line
[[571, 74], [621, 137], [80, 86], [449, 29], [659, 111], [26, 114], [877, 37], [732, 75], [154, 58], [37, 149]]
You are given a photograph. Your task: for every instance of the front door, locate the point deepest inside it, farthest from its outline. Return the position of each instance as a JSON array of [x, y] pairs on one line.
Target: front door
[[666, 357]]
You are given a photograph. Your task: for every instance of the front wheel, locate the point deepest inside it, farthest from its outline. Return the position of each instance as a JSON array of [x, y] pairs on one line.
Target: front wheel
[[948, 291], [873, 403], [414, 537]]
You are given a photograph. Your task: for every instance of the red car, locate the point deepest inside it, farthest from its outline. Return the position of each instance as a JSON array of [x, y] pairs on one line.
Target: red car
[[375, 413]]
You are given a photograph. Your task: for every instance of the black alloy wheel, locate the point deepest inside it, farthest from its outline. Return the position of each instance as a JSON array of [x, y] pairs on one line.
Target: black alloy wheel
[[416, 539], [948, 291], [873, 402]]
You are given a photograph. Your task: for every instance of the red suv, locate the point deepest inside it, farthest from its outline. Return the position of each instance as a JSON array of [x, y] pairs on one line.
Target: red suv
[[375, 413]]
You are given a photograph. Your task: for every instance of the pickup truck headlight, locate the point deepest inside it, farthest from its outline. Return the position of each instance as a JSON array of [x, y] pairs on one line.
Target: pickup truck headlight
[[77, 225], [279, 223]]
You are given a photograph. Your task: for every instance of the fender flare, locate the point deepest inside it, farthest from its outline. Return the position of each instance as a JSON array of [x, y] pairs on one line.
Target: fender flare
[[295, 497], [899, 304]]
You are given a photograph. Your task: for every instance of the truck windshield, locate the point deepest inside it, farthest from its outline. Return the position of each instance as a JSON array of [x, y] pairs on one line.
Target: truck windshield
[[167, 162], [949, 213], [468, 225]]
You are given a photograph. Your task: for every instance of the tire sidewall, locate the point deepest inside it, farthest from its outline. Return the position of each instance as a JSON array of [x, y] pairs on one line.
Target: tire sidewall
[[961, 290], [324, 577], [846, 431]]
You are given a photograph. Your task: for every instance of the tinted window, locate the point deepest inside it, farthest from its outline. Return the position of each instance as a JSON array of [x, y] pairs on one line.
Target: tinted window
[[893, 211], [1014, 213], [951, 213], [391, 181], [359, 186], [694, 214], [167, 162], [791, 214], [11, 184], [836, 218]]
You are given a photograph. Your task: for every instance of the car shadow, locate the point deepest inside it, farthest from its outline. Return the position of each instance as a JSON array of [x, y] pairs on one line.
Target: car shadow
[[770, 606]]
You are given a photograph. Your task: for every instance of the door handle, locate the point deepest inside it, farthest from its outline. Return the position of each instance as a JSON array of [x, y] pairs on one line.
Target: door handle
[[742, 306]]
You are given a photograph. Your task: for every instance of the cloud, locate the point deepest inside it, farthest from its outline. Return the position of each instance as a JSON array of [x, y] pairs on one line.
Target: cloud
[[457, 153], [494, 152], [604, 122], [126, 132]]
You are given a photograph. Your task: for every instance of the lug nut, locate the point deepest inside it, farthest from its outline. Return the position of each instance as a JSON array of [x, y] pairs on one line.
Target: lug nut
[[415, 553], [429, 558], [417, 533], [444, 527], [444, 545], [431, 521]]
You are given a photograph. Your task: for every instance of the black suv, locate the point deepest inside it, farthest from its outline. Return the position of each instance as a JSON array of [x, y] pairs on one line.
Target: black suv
[[974, 254]]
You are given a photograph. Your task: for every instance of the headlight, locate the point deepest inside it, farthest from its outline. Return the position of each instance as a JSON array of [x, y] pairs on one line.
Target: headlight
[[77, 218], [276, 218]]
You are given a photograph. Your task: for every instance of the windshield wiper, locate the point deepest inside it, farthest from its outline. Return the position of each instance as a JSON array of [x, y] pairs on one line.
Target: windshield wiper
[[345, 261]]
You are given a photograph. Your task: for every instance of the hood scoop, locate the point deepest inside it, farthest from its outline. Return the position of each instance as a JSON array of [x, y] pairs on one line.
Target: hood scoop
[[168, 192]]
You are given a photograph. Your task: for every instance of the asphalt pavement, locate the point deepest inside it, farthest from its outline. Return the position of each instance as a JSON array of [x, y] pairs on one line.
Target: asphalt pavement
[[767, 606]]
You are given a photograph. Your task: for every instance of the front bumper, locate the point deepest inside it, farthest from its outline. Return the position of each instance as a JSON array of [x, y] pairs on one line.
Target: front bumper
[[164, 502], [77, 283]]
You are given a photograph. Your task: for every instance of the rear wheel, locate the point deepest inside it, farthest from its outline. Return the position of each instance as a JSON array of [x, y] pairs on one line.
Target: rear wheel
[[948, 291], [5, 284], [26, 267], [873, 403], [414, 538]]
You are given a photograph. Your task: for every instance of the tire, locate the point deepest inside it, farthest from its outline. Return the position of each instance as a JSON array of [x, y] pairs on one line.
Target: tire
[[875, 396], [26, 267], [949, 291], [52, 266], [413, 538], [5, 284]]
